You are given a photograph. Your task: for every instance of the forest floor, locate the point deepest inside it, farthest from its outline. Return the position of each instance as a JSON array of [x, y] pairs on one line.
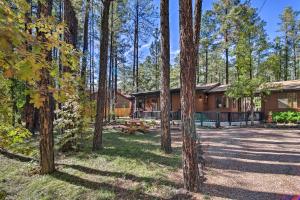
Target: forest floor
[[241, 164]]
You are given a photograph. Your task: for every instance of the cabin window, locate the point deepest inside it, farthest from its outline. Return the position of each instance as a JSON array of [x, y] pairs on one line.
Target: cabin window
[[225, 102], [219, 102], [287, 100], [222, 102], [140, 104], [155, 105], [234, 103]]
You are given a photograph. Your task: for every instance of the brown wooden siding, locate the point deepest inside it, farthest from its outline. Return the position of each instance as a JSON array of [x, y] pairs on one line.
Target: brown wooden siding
[[207, 103], [270, 103], [175, 102], [212, 105], [200, 103], [122, 102], [152, 103], [123, 112]]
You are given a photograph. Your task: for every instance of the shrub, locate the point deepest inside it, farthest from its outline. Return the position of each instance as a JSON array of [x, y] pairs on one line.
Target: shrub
[[69, 124], [12, 138], [286, 117]]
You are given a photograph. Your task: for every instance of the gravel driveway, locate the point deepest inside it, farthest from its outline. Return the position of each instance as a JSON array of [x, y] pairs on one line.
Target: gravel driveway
[[244, 163]]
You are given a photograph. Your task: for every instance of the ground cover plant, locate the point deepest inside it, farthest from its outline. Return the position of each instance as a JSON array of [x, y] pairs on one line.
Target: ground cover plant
[[286, 117]]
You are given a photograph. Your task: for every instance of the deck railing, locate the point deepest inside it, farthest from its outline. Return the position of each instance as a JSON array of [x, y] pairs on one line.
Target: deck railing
[[147, 114], [201, 117], [228, 117], [156, 115]]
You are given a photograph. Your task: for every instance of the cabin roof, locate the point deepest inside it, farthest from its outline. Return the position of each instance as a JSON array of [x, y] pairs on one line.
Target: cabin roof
[[201, 87], [284, 85], [126, 96], [220, 88], [207, 87], [272, 86], [217, 87]]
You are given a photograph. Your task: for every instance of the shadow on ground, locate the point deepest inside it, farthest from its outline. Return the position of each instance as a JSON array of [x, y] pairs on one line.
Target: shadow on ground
[[235, 151]]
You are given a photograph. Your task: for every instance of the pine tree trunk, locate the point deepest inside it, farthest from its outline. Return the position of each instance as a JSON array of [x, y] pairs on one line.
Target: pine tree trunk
[[13, 101], [227, 65], [29, 107], [197, 26], [91, 58], [137, 47], [114, 101], [295, 62], [29, 114], [85, 45], [97, 140], [92, 50], [286, 58], [206, 65], [156, 66], [46, 111], [111, 65], [70, 20], [134, 62], [252, 110], [191, 174], [197, 18], [165, 77], [226, 54], [280, 65]]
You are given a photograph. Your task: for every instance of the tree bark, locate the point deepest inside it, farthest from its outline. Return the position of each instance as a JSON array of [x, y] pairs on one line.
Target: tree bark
[[226, 53], [85, 45], [197, 26], [70, 33], [111, 66], [46, 111], [156, 65], [115, 89], [280, 64], [286, 58], [29, 115], [134, 62], [206, 65], [227, 63], [251, 77], [29, 110], [97, 140], [136, 46], [295, 61], [191, 174], [13, 101], [165, 77], [71, 22], [252, 109]]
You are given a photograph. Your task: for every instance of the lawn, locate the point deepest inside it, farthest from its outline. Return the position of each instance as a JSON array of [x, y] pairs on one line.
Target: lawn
[[129, 167], [241, 163]]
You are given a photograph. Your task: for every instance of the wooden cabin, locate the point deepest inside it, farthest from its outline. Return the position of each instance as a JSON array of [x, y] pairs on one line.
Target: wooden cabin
[[284, 96], [150, 101], [123, 105]]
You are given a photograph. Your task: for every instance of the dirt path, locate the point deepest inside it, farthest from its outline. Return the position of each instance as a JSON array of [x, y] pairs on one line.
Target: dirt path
[[252, 163]]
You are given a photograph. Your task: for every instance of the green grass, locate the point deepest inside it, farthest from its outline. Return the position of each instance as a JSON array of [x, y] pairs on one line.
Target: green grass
[[129, 167]]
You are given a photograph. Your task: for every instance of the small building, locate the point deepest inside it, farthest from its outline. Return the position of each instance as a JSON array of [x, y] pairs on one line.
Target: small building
[[284, 96], [150, 101], [124, 105]]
